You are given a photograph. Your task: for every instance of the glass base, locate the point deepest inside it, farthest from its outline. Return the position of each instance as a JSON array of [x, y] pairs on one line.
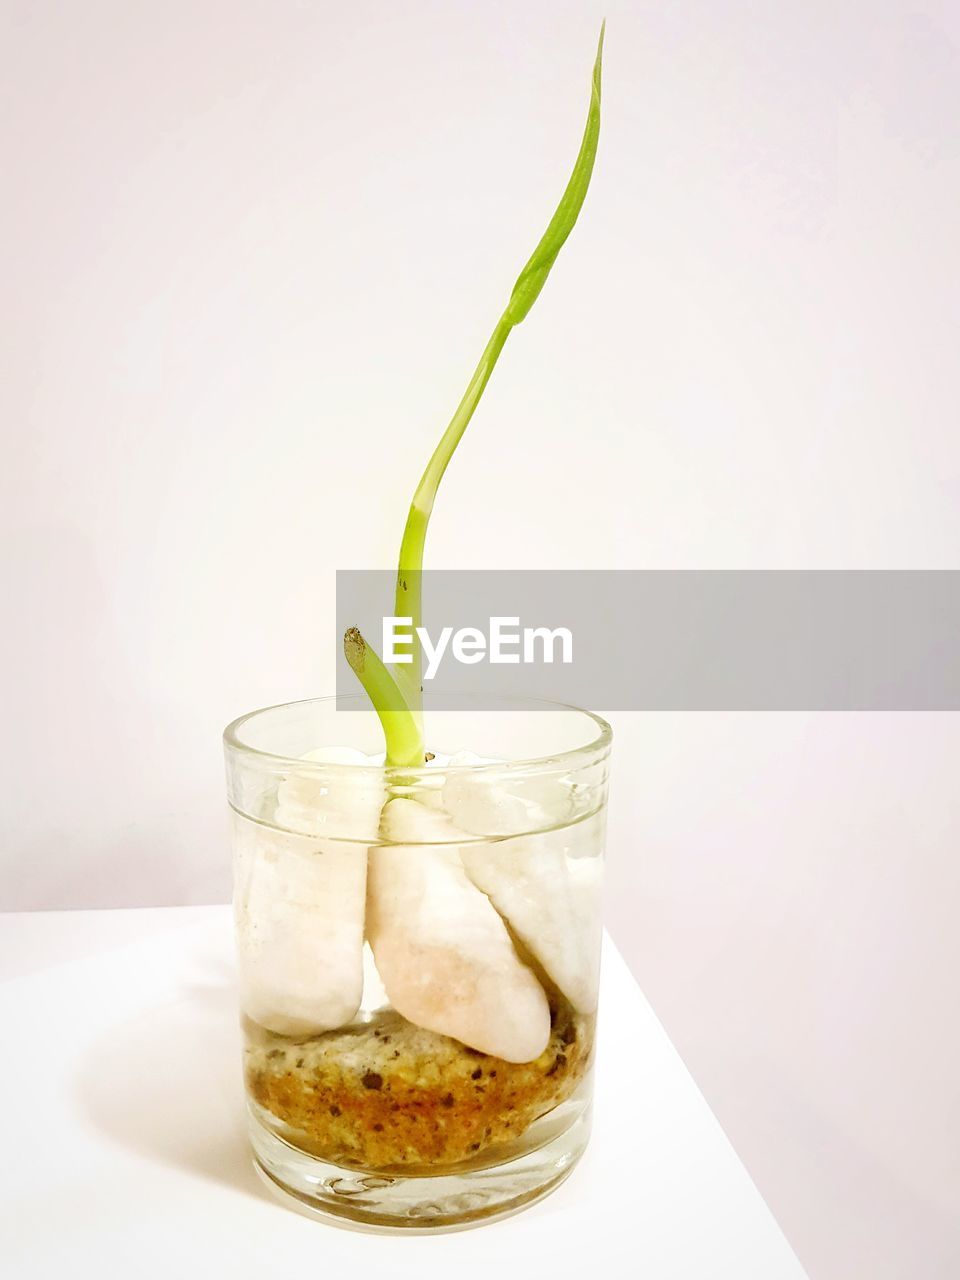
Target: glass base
[[425, 1203]]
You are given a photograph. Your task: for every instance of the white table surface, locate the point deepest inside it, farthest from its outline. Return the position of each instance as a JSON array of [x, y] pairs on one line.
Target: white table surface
[[124, 1148]]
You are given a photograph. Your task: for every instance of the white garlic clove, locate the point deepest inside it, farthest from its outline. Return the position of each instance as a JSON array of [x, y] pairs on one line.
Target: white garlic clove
[[444, 954]]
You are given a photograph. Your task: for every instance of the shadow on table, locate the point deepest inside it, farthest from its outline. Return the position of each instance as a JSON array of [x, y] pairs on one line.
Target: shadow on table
[[167, 1083]]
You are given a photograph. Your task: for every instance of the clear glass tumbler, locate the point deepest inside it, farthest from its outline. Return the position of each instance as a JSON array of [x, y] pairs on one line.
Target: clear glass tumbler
[[418, 954]]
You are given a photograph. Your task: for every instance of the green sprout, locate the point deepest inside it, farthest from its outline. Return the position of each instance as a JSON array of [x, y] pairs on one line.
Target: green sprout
[[397, 696]]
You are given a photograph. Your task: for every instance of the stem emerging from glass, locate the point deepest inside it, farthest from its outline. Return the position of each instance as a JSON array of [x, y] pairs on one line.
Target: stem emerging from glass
[[398, 698]]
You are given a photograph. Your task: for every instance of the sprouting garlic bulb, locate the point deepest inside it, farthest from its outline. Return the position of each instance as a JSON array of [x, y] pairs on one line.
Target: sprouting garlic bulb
[[444, 954]]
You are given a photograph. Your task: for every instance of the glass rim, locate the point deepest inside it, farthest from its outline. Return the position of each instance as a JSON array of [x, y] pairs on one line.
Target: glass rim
[[597, 747]]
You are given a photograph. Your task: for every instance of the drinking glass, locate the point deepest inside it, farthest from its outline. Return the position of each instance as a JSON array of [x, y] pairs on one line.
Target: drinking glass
[[418, 954]]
